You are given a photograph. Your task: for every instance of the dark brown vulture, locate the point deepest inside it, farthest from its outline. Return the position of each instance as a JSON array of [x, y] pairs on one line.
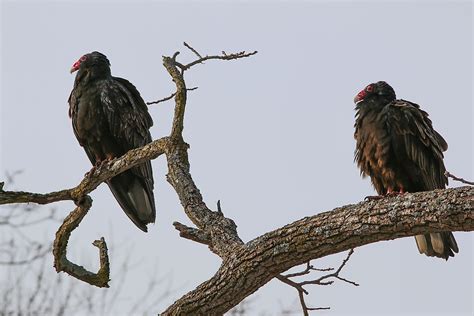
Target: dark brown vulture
[[109, 118], [401, 152]]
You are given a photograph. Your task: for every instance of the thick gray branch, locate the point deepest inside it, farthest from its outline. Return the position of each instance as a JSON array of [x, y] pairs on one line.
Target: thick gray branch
[[343, 228], [247, 267]]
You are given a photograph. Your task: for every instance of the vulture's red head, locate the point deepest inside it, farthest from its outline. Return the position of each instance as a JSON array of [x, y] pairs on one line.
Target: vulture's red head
[[92, 60], [376, 92]]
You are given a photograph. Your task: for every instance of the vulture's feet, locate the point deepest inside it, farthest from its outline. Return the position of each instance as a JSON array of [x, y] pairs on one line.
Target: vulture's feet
[[105, 162], [390, 193], [394, 193], [89, 173], [98, 165]]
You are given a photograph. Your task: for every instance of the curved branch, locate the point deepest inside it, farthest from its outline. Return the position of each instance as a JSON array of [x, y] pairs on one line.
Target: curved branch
[[79, 195], [61, 263], [92, 180], [341, 229]]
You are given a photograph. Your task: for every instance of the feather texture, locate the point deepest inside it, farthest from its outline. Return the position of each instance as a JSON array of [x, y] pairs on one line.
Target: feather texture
[[109, 118], [397, 147]]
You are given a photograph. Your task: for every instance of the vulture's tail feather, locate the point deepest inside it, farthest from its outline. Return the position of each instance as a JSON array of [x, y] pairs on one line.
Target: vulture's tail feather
[[135, 198], [441, 245]]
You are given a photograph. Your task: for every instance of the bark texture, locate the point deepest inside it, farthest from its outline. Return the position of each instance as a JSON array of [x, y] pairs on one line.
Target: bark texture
[[258, 261]]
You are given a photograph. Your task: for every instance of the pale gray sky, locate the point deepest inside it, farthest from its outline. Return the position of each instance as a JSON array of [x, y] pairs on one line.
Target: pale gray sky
[[271, 136]]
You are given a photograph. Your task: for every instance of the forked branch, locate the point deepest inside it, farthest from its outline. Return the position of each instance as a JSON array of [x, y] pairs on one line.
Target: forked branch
[[299, 286]]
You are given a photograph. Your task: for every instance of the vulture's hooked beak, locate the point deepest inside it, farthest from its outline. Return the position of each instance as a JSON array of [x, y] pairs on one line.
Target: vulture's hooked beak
[[76, 66], [360, 97]]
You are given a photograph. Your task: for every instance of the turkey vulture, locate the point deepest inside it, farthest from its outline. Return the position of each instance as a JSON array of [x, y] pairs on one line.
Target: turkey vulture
[[398, 148], [109, 118]]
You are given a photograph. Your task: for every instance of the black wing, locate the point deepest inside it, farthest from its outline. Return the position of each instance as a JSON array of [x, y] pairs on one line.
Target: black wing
[[417, 145], [129, 121], [421, 148]]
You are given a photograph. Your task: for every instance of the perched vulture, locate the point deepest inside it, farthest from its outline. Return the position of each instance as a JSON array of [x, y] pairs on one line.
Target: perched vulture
[[109, 118], [398, 148]]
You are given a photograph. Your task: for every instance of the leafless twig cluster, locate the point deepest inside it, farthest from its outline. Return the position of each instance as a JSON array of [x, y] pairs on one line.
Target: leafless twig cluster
[[201, 60], [322, 280]]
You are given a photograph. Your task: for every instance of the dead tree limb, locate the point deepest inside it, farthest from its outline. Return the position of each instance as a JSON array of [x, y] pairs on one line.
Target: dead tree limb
[[258, 261], [92, 180], [61, 263]]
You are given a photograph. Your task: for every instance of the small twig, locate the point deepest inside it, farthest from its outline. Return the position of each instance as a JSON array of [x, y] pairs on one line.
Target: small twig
[[192, 49], [224, 56], [294, 284], [299, 286], [168, 97], [308, 269], [219, 209], [450, 175]]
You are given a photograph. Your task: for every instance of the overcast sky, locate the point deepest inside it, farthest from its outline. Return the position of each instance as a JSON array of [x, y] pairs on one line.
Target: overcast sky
[[271, 136]]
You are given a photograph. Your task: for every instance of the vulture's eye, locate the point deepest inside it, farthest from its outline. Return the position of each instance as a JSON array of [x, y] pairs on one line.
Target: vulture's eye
[[83, 58], [369, 88]]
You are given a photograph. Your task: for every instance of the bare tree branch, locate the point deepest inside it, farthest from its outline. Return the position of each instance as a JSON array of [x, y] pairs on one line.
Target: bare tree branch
[[299, 286], [200, 60], [341, 229], [92, 180], [61, 263], [168, 97], [246, 267], [79, 194], [224, 56], [193, 50], [222, 230], [452, 176]]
